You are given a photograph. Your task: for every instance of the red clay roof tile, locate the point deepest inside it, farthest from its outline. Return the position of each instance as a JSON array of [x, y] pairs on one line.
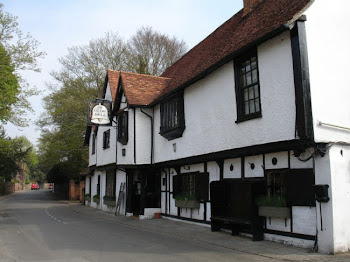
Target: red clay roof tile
[[235, 34]]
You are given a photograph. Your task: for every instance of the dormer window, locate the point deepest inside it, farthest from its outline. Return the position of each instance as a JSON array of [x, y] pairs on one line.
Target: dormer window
[[123, 128], [172, 119], [247, 87]]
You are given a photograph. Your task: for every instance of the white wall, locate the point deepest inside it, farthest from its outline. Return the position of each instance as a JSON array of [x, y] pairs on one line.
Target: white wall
[[340, 168], [143, 136], [108, 155], [329, 53], [210, 108]]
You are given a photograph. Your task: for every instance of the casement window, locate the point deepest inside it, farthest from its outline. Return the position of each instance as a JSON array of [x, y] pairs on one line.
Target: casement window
[[172, 119], [294, 185], [247, 87], [98, 185], [110, 183], [106, 138], [123, 128], [192, 184], [93, 144], [276, 183]]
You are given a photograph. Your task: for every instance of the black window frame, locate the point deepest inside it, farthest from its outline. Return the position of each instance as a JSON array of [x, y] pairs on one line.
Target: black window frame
[[106, 139], [244, 91], [123, 129], [192, 184], [110, 183], [93, 144], [276, 182], [172, 117]]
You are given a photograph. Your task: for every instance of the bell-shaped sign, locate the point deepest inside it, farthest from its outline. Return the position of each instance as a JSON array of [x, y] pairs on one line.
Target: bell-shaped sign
[[100, 115]]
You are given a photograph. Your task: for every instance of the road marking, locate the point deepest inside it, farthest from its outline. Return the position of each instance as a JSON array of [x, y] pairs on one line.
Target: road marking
[[51, 216]]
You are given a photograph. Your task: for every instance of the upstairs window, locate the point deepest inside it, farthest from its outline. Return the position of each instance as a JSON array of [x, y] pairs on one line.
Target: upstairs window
[[93, 144], [172, 120], [123, 128], [247, 87], [106, 138]]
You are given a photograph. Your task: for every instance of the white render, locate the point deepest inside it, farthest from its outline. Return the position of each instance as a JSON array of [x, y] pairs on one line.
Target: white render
[[328, 56], [210, 108]]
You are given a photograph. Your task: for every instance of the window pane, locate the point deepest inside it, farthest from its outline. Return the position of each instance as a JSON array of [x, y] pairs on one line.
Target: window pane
[[247, 66], [246, 97], [251, 106], [253, 62], [256, 91], [257, 105], [251, 92], [249, 78], [246, 108], [255, 76]]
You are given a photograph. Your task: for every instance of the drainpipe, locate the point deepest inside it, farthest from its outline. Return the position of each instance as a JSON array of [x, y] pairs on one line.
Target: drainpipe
[[151, 134]]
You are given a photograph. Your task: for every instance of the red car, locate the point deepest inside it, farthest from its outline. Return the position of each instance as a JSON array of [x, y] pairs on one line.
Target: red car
[[35, 186], [50, 186]]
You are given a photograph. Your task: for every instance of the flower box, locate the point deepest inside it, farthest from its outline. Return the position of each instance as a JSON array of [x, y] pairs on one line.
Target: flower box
[[110, 203], [278, 212], [187, 203]]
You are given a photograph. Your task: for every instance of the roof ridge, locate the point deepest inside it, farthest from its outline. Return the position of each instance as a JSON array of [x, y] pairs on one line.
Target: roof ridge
[[125, 72]]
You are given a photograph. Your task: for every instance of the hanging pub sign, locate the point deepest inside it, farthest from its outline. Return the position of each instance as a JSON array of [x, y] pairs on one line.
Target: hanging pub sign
[[99, 112]]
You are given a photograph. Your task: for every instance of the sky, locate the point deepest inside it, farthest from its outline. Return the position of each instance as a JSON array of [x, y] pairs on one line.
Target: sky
[[60, 24]]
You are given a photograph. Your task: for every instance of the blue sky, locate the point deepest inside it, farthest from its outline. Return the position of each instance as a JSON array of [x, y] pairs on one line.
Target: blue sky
[[59, 24]]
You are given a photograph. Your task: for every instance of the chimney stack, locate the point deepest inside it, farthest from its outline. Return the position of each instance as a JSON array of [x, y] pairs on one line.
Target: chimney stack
[[249, 5]]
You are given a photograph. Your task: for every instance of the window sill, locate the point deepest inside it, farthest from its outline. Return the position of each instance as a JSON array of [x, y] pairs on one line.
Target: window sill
[[173, 133], [248, 117], [123, 140]]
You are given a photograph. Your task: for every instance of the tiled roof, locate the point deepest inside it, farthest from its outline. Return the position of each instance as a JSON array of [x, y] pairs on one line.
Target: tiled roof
[[113, 78], [236, 33], [142, 89]]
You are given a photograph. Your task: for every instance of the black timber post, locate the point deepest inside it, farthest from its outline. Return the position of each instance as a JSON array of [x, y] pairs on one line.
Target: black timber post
[[129, 178], [304, 124]]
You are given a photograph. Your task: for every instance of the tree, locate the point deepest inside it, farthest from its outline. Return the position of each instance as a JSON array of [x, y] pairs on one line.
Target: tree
[[150, 52], [17, 52], [9, 86]]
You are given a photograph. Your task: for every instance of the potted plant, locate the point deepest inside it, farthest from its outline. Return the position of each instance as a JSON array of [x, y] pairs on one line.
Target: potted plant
[[273, 206], [188, 201], [96, 199], [87, 197], [109, 201]]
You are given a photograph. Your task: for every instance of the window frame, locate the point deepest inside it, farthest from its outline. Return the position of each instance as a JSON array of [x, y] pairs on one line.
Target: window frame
[[123, 127], [239, 88], [110, 189], [172, 117], [106, 139], [93, 144], [198, 185]]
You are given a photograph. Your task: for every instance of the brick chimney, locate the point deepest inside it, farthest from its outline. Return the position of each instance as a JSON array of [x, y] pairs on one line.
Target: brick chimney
[[249, 5]]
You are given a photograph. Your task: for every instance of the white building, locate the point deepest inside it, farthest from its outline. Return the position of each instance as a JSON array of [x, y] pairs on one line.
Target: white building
[[249, 109]]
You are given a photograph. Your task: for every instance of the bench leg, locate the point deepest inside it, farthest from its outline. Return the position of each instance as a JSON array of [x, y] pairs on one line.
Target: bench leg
[[235, 229]]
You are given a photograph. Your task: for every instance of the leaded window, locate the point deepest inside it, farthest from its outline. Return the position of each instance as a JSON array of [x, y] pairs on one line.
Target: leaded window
[[123, 127], [247, 87], [93, 144], [106, 139], [276, 183], [172, 120], [110, 183]]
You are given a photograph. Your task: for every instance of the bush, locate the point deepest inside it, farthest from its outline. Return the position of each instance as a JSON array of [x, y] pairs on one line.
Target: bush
[[274, 201], [108, 198]]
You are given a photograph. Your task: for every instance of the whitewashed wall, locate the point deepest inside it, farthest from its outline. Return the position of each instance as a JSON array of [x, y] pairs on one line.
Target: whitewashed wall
[[108, 155], [121, 178], [143, 136], [329, 53], [210, 108], [340, 168]]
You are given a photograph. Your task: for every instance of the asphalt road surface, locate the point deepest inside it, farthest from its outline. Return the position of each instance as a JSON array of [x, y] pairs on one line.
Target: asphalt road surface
[[33, 227]]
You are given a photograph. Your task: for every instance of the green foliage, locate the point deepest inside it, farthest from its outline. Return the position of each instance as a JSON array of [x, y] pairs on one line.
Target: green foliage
[[185, 197], [96, 197], [17, 52], [274, 201], [109, 198], [62, 173]]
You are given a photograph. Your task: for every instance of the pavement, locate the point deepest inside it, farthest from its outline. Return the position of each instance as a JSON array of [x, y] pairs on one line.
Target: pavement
[[203, 234]]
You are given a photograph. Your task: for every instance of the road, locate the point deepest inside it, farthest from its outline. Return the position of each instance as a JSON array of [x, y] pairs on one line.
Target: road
[[34, 227]]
